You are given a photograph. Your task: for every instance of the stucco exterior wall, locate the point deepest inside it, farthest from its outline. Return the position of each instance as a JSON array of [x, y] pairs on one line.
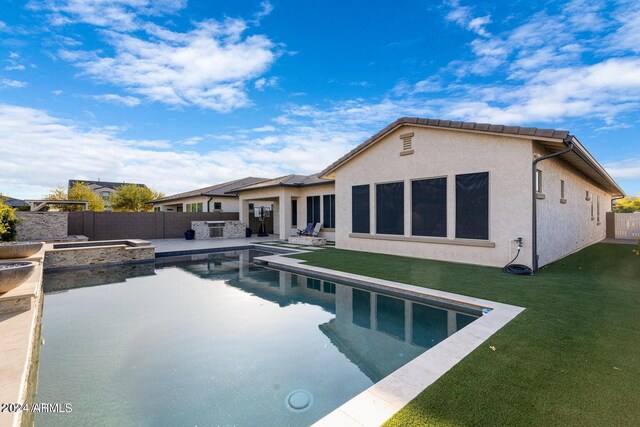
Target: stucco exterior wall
[[438, 153], [564, 228], [282, 197], [229, 204]]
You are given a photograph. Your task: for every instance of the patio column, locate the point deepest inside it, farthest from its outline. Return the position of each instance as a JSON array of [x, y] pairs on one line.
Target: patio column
[[284, 216], [243, 211]]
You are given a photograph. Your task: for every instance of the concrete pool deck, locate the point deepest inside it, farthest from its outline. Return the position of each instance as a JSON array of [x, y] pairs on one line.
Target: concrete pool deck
[[164, 246]]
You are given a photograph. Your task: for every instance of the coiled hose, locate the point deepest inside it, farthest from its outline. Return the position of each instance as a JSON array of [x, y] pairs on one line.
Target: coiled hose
[[517, 269]]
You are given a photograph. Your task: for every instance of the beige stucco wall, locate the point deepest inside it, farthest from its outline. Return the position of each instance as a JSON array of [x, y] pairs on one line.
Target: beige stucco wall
[[440, 153], [564, 228], [282, 197], [229, 204]]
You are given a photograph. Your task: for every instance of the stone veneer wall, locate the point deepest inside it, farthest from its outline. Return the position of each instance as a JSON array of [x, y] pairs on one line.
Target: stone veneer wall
[[97, 255], [42, 225], [231, 230]]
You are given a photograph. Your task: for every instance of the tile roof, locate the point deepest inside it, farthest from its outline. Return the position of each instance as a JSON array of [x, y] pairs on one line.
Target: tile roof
[[225, 189], [105, 184], [289, 181], [451, 124]]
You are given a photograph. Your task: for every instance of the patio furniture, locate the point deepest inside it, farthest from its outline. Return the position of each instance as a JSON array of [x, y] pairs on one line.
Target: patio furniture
[[316, 230], [306, 231]]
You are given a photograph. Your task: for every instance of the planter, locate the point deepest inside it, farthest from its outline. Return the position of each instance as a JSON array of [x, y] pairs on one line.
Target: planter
[[13, 250], [13, 274]]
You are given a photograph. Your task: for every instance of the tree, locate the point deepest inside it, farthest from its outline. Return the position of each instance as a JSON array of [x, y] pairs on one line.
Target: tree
[[8, 222], [133, 198], [627, 205], [81, 192]]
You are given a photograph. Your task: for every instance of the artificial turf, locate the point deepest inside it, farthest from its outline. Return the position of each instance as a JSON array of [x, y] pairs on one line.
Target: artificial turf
[[571, 358]]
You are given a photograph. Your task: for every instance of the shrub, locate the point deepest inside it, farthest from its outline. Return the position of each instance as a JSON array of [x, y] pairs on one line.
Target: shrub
[[8, 223]]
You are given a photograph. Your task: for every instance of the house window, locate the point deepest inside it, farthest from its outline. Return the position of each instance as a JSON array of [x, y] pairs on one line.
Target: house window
[[390, 208], [562, 189], [250, 207], [472, 206], [361, 308], [598, 209], [360, 209], [390, 316], [328, 287], [329, 210], [194, 207], [429, 207], [538, 181], [313, 284], [217, 206], [313, 209], [294, 213], [106, 196], [156, 209]]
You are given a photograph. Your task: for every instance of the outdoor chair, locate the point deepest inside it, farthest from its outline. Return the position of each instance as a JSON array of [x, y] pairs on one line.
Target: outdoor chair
[[306, 231], [316, 230]]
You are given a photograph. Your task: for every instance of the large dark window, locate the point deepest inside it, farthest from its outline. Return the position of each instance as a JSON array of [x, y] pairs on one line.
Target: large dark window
[[429, 207], [360, 209], [313, 209], [390, 315], [294, 212], [390, 208], [329, 210], [472, 206], [361, 307]]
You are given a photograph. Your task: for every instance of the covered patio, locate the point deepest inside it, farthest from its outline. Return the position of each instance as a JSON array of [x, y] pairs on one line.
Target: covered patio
[[296, 199]]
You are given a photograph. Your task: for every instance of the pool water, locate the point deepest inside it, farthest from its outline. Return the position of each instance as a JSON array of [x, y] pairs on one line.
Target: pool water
[[213, 339]]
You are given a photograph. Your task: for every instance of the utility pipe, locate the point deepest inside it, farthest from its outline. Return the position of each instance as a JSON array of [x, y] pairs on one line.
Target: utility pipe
[[568, 141]]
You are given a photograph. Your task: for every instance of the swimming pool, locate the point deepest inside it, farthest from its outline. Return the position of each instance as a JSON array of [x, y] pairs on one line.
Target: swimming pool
[[213, 339]]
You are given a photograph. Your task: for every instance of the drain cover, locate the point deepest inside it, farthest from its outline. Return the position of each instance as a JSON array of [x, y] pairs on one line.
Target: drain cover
[[299, 400]]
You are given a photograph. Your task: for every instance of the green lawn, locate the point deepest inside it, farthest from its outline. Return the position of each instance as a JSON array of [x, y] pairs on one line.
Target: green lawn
[[571, 358]]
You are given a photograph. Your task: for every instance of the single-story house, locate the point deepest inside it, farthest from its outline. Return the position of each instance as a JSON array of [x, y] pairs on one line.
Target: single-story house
[[103, 189], [467, 192], [297, 200], [220, 197]]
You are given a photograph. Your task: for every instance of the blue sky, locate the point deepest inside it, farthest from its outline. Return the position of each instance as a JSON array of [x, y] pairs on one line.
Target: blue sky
[[180, 95]]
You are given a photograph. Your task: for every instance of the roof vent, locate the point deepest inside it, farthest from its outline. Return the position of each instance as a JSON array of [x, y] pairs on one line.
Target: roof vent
[[406, 144]]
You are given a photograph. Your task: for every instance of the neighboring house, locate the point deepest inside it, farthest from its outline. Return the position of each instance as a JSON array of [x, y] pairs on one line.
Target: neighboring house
[[14, 203], [297, 200], [103, 189], [464, 192], [219, 197]]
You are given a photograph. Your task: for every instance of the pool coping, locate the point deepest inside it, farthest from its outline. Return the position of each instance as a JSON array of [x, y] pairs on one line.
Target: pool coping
[[385, 398]]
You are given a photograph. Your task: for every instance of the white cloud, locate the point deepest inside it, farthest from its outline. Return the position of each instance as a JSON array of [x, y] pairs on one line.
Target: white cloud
[[12, 83], [625, 169], [207, 66], [119, 14], [267, 128], [265, 9], [463, 16], [32, 139], [19, 67], [262, 83], [129, 101], [3, 26]]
